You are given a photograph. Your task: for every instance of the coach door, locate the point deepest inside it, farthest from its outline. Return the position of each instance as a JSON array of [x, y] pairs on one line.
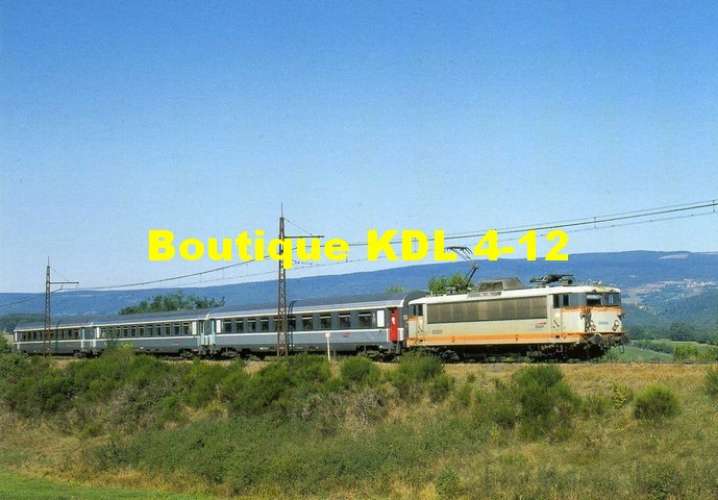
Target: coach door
[[394, 324], [206, 332], [557, 313]]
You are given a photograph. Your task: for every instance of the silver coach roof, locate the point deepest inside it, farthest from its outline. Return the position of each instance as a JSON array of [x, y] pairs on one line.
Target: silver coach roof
[[295, 306]]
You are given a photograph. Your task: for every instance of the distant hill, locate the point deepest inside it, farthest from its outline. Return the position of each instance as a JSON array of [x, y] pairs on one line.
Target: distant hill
[[659, 285]]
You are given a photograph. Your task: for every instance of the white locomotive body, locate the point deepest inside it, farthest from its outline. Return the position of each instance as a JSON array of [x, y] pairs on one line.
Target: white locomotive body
[[504, 316]]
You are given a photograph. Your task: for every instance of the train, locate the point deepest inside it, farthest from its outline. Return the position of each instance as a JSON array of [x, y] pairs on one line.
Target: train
[[552, 318]]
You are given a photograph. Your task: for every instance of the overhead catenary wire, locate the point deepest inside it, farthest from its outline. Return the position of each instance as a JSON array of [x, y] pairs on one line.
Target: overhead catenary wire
[[621, 219], [570, 223]]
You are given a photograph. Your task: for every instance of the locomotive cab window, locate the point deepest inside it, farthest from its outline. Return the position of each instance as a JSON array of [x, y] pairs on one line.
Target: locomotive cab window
[[593, 299]]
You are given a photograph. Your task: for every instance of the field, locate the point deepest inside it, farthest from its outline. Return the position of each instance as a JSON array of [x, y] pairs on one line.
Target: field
[[356, 429]]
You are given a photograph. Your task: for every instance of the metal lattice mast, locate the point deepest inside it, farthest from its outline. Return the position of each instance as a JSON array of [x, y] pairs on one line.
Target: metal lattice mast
[[282, 319], [283, 342], [47, 332], [46, 343]]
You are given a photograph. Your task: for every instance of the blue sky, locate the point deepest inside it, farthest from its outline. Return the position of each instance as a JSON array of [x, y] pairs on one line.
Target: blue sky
[[201, 117]]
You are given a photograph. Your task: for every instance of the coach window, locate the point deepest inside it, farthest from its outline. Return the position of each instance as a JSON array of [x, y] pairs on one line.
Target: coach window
[[227, 326], [264, 324], [176, 329], [325, 321], [185, 329], [345, 320], [364, 319], [239, 325], [252, 325], [307, 323]]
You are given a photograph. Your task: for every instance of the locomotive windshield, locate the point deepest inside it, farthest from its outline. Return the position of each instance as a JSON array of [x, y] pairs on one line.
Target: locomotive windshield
[[587, 299]]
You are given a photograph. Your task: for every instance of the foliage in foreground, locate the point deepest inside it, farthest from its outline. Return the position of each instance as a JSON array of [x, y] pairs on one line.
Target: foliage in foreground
[[656, 403], [296, 427]]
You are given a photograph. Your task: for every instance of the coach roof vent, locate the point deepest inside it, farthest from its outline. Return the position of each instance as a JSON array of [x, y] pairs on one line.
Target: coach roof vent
[[497, 285]]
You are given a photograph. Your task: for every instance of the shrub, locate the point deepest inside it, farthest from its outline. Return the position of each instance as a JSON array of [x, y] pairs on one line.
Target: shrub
[[462, 396], [685, 352], [621, 395], [501, 407], [282, 386], [5, 346], [440, 387], [234, 383], [359, 371], [415, 369], [659, 481], [656, 403], [201, 382], [546, 401], [448, 484], [711, 382], [596, 404]]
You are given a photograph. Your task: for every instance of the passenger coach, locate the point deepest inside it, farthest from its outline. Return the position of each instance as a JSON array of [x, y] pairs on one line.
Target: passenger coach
[[369, 323]]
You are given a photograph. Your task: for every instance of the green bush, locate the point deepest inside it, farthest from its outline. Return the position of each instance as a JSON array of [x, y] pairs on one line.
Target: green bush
[[546, 402], [462, 396], [621, 395], [685, 352], [13, 367], [596, 404], [659, 481], [656, 403], [5, 346], [201, 383], [283, 386], [440, 387], [448, 484], [537, 399], [414, 371], [501, 406], [711, 382], [359, 371]]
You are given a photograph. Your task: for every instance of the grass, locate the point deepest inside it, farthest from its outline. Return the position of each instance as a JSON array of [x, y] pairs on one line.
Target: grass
[[402, 430], [633, 354], [18, 487]]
